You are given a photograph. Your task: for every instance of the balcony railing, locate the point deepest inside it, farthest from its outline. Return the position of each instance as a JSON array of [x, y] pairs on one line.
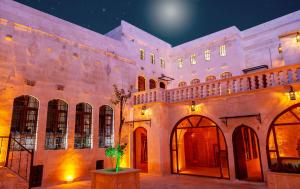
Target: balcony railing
[[248, 82]]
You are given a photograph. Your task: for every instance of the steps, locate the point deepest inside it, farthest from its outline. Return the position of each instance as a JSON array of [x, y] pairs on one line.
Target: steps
[[10, 180]]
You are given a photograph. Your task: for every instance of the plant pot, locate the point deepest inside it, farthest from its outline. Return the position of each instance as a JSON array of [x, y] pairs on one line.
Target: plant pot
[[126, 178], [283, 180]]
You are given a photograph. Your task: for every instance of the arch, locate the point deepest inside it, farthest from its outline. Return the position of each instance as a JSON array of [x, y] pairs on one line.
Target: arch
[[141, 83], [195, 81], [162, 85], [152, 84], [247, 156], [83, 126], [198, 147], [140, 149], [57, 125], [283, 140], [182, 84], [210, 78], [106, 126], [225, 75], [24, 120]]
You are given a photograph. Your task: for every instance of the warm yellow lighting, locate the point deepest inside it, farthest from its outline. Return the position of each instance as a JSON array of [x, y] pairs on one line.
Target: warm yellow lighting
[[142, 54], [143, 111], [193, 59], [152, 56], [69, 178], [279, 49], [8, 38], [222, 50], [180, 63], [292, 93], [193, 106], [298, 37], [207, 55]]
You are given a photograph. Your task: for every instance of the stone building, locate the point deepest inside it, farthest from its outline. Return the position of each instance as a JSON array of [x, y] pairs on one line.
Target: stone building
[[225, 105]]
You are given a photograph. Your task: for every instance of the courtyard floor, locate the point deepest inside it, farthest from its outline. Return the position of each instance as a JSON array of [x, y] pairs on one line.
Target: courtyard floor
[[175, 182]]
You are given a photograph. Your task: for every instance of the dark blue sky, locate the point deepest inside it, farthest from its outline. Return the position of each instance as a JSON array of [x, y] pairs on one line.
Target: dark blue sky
[[188, 20]]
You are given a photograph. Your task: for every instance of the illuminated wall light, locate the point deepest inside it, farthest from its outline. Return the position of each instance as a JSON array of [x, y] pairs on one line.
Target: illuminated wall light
[[279, 49], [193, 106], [292, 93], [69, 179], [143, 110], [298, 37], [8, 37]]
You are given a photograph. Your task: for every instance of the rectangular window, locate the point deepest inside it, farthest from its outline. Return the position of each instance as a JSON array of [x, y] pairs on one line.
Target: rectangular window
[[180, 63], [207, 55], [162, 63], [152, 56], [222, 50], [142, 54], [193, 59]]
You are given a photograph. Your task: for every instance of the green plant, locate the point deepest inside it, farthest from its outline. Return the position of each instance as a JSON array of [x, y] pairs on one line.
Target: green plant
[[120, 98]]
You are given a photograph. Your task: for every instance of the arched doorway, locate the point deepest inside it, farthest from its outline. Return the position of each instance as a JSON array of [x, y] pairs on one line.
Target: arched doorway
[[152, 84], [283, 141], [141, 83], [140, 149], [247, 154], [198, 147]]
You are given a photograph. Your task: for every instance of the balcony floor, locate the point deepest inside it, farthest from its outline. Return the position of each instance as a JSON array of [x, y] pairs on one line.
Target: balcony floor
[[175, 182]]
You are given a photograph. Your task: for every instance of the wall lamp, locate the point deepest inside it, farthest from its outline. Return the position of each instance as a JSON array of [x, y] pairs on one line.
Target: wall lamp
[[292, 93], [193, 106], [298, 37], [143, 110], [279, 48]]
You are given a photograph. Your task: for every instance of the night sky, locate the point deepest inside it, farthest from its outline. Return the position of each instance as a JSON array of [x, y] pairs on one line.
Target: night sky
[[174, 21]]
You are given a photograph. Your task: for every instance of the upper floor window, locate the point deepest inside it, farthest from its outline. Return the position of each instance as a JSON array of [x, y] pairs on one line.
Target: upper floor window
[[223, 50], [195, 81], [152, 58], [210, 78], [207, 55], [162, 63], [182, 84], [24, 121], [83, 126], [106, 129], [225, 75], [193, 59], [180, 63], [142, 54], [141, 83], [162, 85], [56, 128], [152, 84]]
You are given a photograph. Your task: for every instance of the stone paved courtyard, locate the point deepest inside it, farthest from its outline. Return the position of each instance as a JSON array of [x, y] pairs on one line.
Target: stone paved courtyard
[[175, 182]]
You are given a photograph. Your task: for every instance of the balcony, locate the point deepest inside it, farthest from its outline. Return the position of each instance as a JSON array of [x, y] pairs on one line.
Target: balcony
[[281, 76]]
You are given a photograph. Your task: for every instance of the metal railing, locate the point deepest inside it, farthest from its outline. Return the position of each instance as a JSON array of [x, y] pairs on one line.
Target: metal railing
[[18, 158], [281, 76]]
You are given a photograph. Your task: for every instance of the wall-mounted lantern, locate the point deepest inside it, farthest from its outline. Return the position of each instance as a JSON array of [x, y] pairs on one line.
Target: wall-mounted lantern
[[193, 106], [143, 110], [8, 37], [298, 37], [292, 93], [279, 48]]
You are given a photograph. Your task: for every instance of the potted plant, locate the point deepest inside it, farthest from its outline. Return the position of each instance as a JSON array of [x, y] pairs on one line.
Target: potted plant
[[117, 178]]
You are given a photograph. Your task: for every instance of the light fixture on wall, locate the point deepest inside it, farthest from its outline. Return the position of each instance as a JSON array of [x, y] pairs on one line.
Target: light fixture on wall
[[292, 93], [8, 37], [298, 37], [143, 110], [279, 48], [193, 106]]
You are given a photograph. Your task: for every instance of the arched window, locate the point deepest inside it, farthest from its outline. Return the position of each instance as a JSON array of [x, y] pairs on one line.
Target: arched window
[[152, 84], [210, 78], [162, 85], [56, 128], [83, 126], [195, 81], [106, 129], [198, 147], [24, 120], [141, 83], [182, 84], [283, 144], [226, 75]]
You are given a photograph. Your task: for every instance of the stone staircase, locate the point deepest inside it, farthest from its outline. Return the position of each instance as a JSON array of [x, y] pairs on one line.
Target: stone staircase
[[10, 180]]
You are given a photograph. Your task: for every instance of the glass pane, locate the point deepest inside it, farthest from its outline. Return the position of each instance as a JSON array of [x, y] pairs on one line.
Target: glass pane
[[271, 141], [287, 137]]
